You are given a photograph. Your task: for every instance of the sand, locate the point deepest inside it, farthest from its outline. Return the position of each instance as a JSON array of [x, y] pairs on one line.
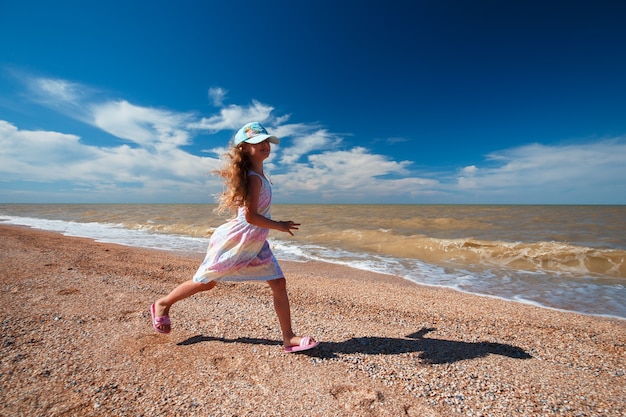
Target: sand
[[77, 341]]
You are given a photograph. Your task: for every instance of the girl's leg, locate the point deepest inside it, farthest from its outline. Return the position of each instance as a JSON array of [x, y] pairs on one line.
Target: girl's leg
[[283, 311], [184, 290]]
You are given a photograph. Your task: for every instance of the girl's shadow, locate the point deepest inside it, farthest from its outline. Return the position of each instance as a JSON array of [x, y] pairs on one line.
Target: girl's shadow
[[434, 351]]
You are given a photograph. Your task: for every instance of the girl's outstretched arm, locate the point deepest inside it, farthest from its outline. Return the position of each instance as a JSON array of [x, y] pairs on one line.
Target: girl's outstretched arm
[[252, 208]]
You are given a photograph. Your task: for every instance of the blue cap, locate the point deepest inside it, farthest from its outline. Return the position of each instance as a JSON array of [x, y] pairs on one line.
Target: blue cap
[[254, 133]]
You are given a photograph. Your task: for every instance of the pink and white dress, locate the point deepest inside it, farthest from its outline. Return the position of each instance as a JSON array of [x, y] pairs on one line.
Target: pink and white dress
[[238, 250]]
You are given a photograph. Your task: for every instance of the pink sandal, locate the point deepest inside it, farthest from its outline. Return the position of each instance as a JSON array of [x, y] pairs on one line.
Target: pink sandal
[[163, 320], [305, 344]]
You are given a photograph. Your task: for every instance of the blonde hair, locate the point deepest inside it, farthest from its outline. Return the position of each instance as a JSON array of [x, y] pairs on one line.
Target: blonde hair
[[236, 163]]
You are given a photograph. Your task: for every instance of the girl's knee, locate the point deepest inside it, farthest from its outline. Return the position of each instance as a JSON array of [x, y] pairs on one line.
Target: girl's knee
[[279, 284], [204, 286]]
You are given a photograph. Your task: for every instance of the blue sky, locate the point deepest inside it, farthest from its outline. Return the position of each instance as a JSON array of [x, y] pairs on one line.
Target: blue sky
[[462, 102]]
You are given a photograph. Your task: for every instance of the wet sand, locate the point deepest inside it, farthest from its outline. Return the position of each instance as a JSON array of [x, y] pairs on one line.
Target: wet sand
[[77, 341]]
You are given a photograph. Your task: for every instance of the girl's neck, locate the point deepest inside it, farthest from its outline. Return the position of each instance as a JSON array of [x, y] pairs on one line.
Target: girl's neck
[[257, 167]]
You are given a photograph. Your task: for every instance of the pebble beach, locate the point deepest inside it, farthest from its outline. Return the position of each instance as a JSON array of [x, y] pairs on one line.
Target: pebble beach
[[77, 341]]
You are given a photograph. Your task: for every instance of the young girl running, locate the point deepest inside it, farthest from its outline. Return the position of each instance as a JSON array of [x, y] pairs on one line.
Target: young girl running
[[238, 250]]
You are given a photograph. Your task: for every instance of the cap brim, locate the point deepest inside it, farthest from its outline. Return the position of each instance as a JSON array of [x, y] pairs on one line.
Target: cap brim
[[260, 138]]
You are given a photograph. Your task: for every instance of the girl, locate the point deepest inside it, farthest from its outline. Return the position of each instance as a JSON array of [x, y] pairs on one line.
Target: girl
[[238, 250]]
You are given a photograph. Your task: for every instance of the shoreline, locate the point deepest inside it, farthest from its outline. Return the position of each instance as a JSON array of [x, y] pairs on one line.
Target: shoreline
[[77, 340], [590, 294], [376, 274]]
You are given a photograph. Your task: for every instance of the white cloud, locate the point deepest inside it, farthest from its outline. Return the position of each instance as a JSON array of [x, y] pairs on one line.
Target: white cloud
[[217, 94], [155, 165], [470, 170], [49, 157], [142, 125], [466, 180], [233, 117], [36, 155], [63, 96], [549, 173], [56, 89], [351, 175], [303, 141]]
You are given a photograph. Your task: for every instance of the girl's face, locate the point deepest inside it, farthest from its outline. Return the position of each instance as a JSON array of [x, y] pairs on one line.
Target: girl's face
[[260, 150]]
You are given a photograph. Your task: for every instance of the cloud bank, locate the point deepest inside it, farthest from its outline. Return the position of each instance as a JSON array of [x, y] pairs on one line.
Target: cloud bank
[[153, 155]]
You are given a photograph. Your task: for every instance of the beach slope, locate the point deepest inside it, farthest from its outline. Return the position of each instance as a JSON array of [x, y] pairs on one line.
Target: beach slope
[[77, 341]]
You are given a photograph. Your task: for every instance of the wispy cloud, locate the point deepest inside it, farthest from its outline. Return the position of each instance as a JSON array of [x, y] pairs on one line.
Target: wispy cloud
[[54, 89], [142, 125], [307, 139], [63, 96], [217, 95], [233, 117], [552, 173]]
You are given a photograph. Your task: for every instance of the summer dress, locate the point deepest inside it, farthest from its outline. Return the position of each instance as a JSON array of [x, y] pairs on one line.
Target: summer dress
[[238, 250]]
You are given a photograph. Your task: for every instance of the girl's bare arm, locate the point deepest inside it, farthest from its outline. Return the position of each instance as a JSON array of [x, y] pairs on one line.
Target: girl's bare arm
[[252, 215]]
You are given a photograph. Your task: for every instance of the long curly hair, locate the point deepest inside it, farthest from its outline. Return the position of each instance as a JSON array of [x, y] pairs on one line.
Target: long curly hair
[[234, 170]]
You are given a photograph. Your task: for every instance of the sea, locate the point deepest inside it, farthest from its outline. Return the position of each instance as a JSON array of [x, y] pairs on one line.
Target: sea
[[570, 258]]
